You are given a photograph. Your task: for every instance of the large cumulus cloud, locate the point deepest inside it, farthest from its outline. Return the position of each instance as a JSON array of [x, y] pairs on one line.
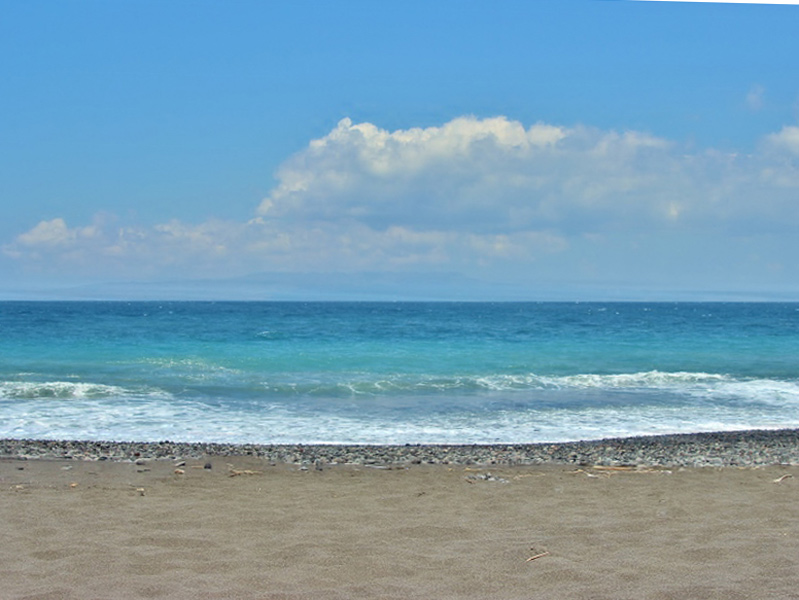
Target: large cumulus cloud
[[495, 175], [477, 175], [470, 192]]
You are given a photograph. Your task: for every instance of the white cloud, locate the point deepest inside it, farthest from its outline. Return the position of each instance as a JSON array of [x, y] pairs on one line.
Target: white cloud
[[56, 233], [472, 193], [754, 97], [494, 176], [781, 171], [786, 140], [219, 248], [486, 174]]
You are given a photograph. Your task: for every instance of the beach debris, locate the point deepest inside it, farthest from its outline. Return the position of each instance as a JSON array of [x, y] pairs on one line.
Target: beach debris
[[180, 463], [783, 478], [207, 466], [587, 474], [179, 472], [537, 556], [67, 468], [485, 477], [236, 472], [233, 472], [73, 485], [612, 468], [658, 471], [140, 491]]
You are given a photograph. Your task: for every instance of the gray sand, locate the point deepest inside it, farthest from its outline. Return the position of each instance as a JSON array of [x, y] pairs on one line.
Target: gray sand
[[251, 527]]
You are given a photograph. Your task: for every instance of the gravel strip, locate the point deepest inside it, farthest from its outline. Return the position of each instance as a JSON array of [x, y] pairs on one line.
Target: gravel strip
[[723, 449]]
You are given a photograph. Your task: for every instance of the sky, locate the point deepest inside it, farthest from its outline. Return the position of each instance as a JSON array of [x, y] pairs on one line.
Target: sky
[[516, 150]]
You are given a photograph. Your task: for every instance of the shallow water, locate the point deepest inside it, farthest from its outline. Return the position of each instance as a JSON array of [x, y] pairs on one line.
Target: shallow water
[[292, 372]]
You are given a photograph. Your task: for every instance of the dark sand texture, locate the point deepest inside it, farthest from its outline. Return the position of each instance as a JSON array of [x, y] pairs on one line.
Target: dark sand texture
[[110, 530]]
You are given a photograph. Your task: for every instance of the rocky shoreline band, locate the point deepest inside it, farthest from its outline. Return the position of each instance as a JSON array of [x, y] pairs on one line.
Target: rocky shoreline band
[[748, 448]]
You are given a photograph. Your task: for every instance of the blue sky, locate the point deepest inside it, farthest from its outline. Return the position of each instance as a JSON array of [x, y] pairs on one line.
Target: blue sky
[[510, 150]]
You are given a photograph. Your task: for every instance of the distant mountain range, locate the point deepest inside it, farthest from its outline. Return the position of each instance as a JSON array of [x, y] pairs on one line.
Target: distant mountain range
[[369, 286]]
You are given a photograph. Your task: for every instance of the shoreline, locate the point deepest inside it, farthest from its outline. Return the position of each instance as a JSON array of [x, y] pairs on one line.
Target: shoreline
[[745, 448]]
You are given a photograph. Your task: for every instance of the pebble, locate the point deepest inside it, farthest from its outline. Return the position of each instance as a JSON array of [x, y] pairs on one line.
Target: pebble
[[723, 449]]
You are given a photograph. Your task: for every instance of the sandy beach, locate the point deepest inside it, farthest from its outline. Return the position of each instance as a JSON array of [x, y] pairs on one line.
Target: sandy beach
[[250, 528]]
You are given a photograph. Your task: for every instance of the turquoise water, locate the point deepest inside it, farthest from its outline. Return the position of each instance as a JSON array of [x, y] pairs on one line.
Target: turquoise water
[[292, 372]]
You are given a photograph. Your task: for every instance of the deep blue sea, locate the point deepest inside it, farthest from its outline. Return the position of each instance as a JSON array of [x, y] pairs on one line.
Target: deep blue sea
[[360, 372]]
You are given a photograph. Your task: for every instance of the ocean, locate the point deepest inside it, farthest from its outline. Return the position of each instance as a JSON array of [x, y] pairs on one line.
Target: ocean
[[394, 373]]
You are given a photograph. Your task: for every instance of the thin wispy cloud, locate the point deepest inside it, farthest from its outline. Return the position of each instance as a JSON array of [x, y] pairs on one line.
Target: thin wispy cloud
[[755, 97]]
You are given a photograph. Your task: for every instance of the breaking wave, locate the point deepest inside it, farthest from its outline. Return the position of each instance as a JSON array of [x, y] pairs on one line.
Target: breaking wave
[[24, 390]]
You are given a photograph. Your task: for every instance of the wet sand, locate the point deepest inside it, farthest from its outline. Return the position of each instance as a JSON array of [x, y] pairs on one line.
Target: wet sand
[[250, 529]]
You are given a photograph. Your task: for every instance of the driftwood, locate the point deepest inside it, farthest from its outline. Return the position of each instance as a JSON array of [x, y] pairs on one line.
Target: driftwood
[[236, 472], [537, 556], [611, 468]]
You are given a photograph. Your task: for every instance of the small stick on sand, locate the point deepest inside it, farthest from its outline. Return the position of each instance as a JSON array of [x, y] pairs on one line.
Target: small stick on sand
[[783, 478], [541, 555], [611, 468], [236, 472]]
